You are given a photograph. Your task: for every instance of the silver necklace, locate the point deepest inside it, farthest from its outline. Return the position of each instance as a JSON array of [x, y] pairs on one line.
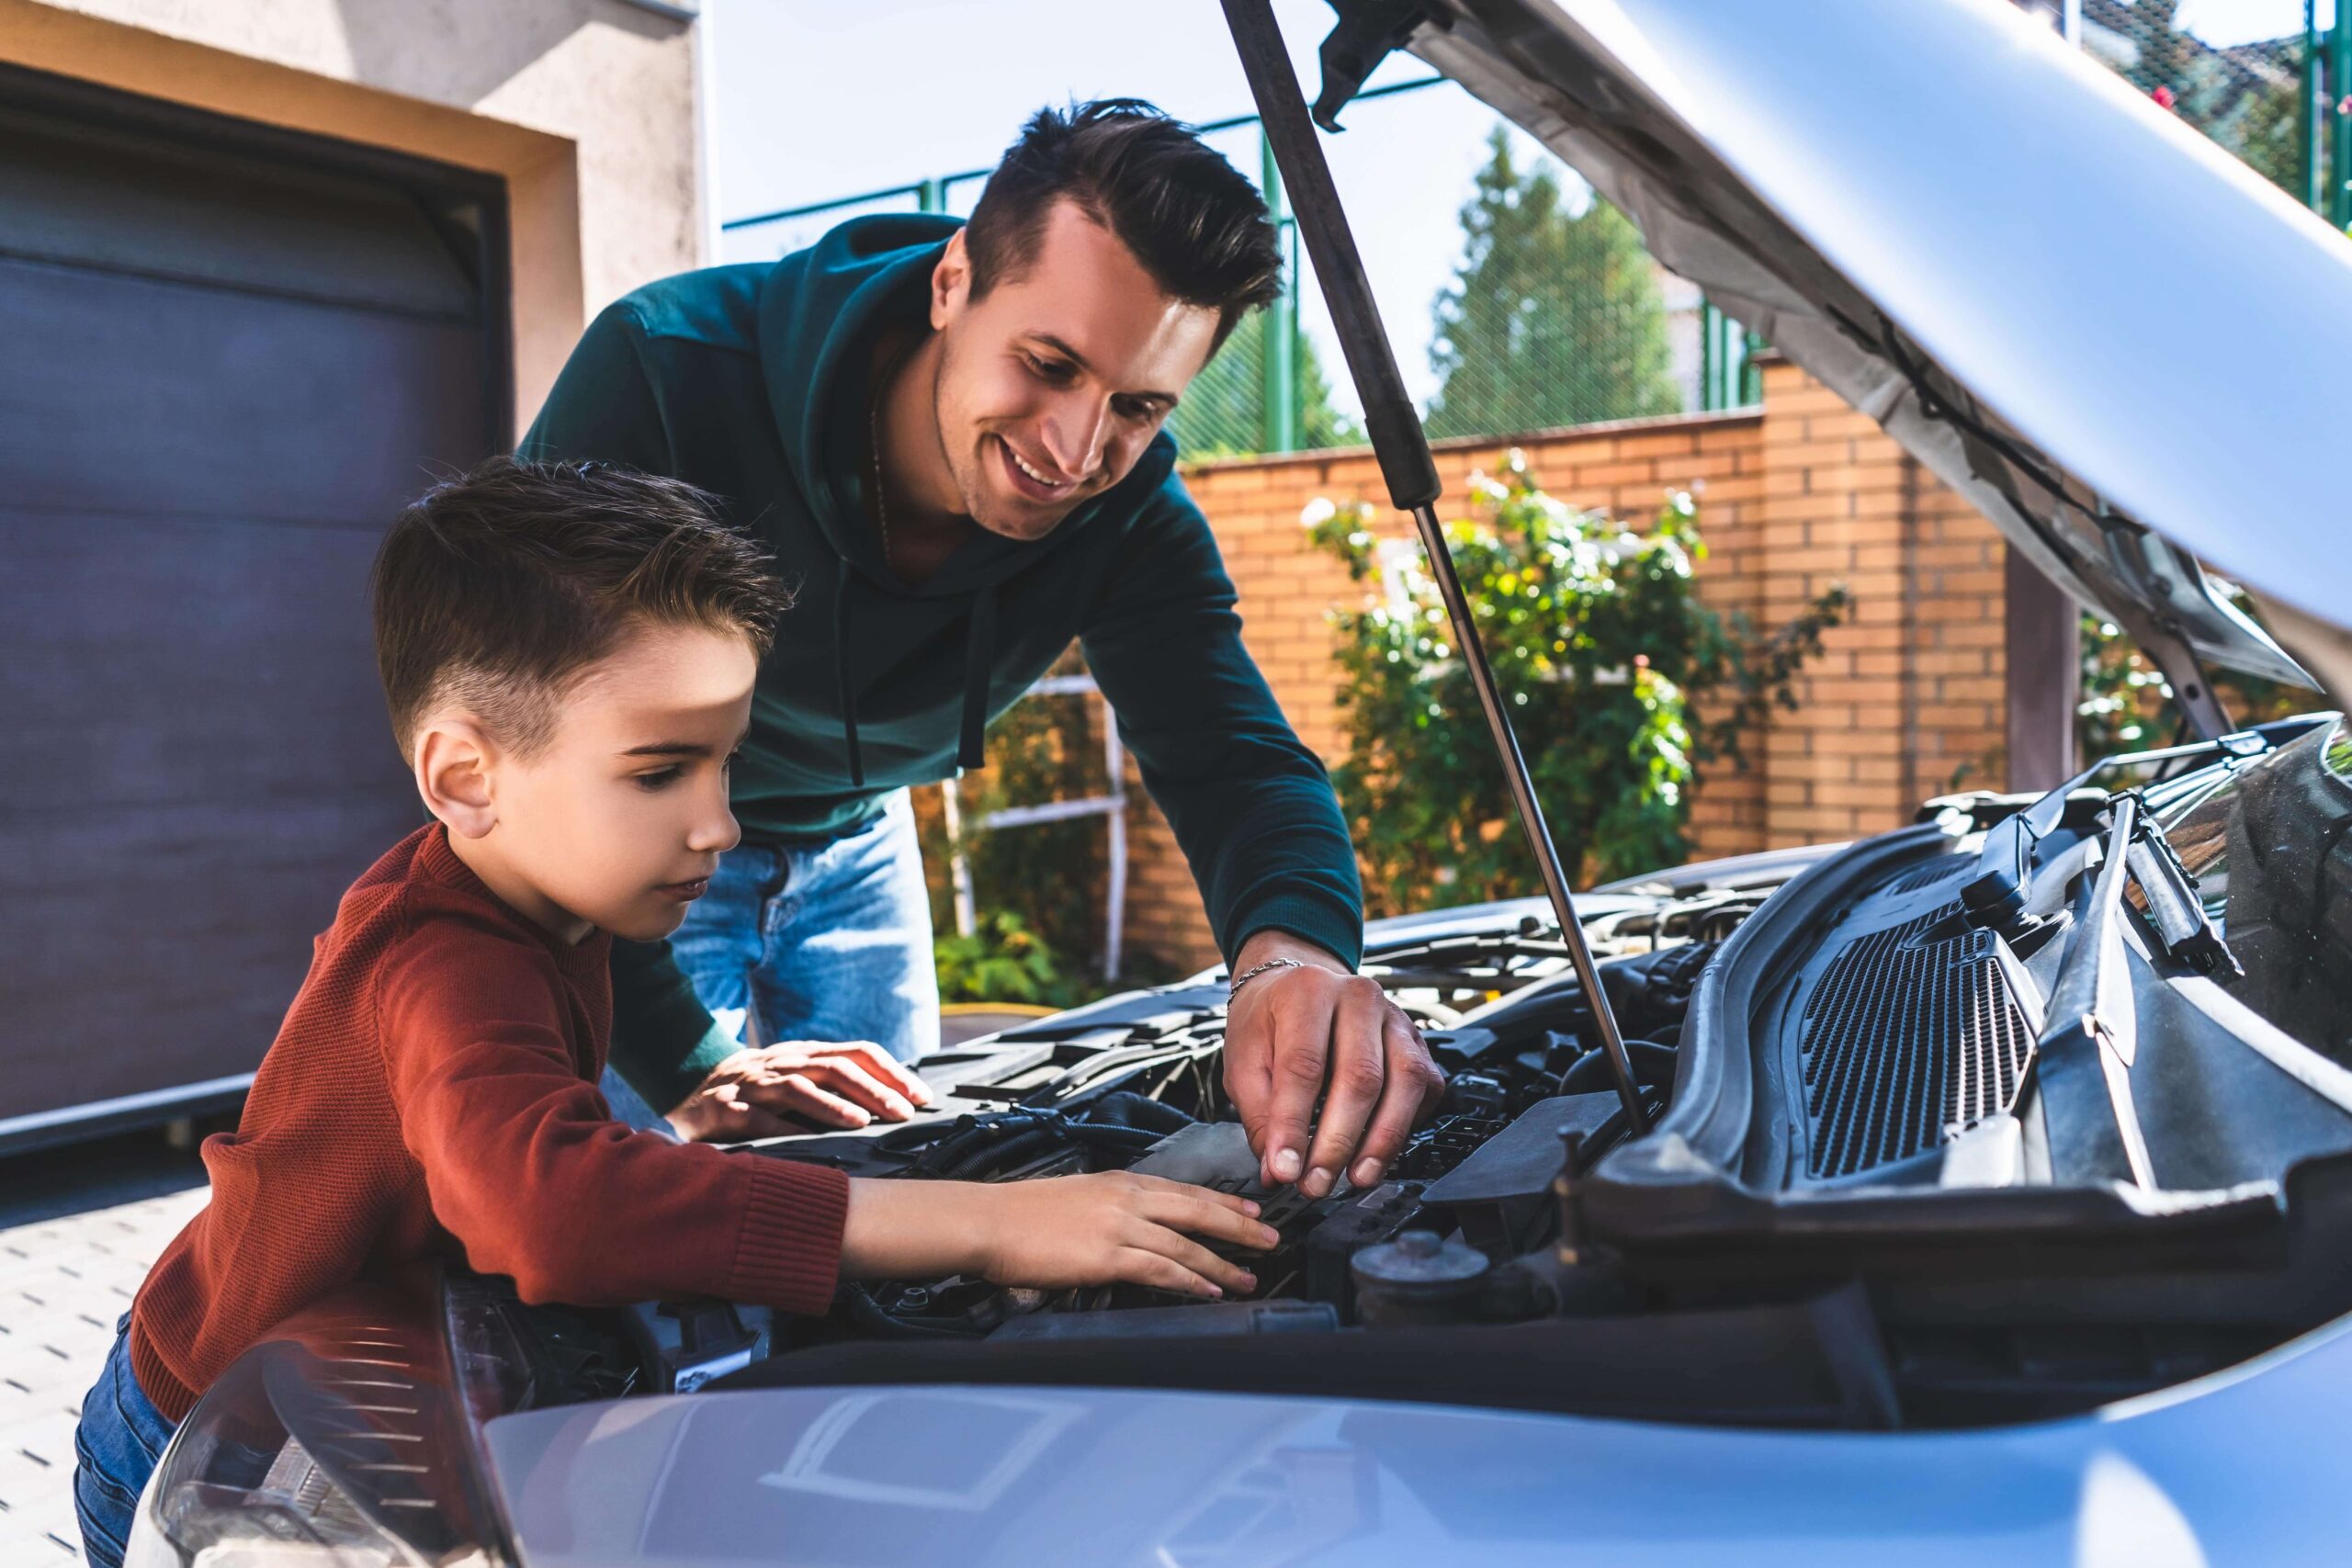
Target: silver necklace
[[874, 441]]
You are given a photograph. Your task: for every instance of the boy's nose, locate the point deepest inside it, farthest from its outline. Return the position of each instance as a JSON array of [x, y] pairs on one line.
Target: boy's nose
[[717, 833]]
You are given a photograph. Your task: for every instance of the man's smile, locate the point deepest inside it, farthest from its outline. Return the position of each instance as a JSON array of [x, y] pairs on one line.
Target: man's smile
[[1036, 483]]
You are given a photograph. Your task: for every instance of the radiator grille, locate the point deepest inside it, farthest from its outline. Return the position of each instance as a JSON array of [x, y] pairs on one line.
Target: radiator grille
[[1906, 1041], [1930, 873]]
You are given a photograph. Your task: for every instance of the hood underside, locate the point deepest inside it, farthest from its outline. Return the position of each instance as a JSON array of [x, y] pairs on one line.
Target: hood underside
[[2113, 339]]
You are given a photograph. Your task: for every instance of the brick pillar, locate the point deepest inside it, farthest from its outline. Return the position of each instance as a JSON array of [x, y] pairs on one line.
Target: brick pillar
[[1908, 700]]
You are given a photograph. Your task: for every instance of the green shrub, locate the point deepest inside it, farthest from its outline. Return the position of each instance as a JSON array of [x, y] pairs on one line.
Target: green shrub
[[1605, 657]]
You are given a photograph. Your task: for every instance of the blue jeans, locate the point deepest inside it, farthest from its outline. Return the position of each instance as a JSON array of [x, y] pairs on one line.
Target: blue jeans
[[115, 1449], [827, 941]]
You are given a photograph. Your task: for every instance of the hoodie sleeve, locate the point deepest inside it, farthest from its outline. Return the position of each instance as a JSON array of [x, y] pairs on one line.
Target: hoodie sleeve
[[604, 407], [1251, 807]]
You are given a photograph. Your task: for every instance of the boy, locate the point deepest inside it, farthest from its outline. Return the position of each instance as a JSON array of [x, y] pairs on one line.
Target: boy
[[568, 656]]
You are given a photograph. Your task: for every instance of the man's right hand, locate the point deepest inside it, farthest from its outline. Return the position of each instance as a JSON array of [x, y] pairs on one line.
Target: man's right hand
[[748, 1094], [1052, 1233]]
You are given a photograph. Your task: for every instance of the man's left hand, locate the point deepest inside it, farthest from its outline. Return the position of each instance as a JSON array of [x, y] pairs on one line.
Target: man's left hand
[[1292, 1031]]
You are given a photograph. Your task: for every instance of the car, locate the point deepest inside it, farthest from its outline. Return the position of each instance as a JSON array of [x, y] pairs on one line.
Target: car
[[1996, 1176]]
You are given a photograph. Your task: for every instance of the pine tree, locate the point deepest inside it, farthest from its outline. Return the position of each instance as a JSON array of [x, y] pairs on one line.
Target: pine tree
[[1554, 318]]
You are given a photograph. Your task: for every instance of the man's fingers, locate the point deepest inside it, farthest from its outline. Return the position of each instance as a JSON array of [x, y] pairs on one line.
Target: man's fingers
[[798, 1094], [1413, 1083], [1358, 1065], [1299, 1038]]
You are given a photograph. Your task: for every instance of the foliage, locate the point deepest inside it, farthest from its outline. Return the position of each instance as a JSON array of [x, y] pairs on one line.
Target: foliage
[[1003, 960], [1554, 318], [1605, 657], [1222, 414], [1038, 929]]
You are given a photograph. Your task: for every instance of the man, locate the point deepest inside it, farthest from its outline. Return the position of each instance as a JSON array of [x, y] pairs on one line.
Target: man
[[950, 436]]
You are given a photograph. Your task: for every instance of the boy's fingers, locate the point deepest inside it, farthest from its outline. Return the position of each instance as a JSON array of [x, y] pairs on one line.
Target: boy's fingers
[[1199, 1261], [798, 1094], [1163, 1186], [1143, 1267], [845, 1077], [879, 1064], [1189, 1212]]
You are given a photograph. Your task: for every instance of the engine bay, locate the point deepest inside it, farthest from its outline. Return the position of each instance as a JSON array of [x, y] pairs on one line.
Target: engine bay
[[1993, 1118]]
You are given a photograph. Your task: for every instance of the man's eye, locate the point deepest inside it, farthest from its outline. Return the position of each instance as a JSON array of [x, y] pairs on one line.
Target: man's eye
[[1056, 370], [1135, 408], [660, 779]]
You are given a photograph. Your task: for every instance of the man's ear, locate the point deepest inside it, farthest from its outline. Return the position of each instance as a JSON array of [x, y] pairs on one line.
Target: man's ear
[[951, 281], [456, 764]]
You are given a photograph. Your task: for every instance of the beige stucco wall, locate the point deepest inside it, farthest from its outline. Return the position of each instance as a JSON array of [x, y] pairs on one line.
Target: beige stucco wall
[[585, 107]]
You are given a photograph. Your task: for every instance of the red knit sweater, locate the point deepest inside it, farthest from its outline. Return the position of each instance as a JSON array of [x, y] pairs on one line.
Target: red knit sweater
[[433, 1091]]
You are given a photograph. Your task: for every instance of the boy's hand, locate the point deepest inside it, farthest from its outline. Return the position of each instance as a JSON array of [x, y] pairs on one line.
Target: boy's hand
[[1052, 1233], [834, 1085]]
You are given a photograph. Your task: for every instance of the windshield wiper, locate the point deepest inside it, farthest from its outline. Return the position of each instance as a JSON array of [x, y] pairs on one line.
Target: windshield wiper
[[2184, 928], [2083, 1060]]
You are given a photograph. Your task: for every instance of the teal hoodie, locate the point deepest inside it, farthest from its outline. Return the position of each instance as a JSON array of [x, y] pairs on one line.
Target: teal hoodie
[[752, 382]]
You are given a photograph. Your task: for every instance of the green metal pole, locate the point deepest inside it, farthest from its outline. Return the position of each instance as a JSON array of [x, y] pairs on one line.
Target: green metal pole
[[1708, 315], [930, 198], [2339, 89], [1279, 391], [2308, 122]]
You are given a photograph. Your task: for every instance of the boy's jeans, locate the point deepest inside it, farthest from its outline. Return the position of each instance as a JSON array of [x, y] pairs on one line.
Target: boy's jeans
[[115, 1448], [827, 941]]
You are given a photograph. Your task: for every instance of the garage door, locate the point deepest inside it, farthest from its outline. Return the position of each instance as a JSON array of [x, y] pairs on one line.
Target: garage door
[[226, 357]]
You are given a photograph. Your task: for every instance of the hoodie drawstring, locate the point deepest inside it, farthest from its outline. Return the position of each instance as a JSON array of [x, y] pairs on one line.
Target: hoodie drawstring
[[842, 685], [979, 651]]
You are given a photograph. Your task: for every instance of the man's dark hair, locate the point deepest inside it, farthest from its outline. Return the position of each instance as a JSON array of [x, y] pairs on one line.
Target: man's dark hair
[[496, 590], [1196, 225]]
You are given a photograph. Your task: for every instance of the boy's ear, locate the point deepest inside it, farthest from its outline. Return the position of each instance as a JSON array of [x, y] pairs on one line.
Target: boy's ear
[[951, 281], [455, 759]]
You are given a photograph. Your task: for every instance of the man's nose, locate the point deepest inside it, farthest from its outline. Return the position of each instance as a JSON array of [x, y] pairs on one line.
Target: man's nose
[[1074, 434]]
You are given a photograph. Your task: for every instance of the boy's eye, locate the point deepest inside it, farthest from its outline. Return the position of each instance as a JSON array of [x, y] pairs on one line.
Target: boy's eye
[[661, 778]]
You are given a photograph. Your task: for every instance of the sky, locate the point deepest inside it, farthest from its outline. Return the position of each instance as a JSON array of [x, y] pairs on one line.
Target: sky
[[814, 99]]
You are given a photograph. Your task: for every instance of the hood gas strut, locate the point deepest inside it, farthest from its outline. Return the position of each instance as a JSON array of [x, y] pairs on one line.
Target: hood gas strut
[[1403, 449]]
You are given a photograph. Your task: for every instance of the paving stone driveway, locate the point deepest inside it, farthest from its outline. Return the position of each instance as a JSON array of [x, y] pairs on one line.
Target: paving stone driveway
[[77, 1231]]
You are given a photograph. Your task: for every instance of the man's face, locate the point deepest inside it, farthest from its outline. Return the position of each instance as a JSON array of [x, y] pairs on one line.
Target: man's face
[[1052, 383], [619, 821]]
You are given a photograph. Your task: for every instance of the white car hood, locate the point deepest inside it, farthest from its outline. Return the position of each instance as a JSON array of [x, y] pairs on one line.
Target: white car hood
[[2076, 311], [2234, 1468]]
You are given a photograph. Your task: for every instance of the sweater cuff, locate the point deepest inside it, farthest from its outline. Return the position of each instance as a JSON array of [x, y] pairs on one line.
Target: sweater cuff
[[1323, 922], [788, 1253]]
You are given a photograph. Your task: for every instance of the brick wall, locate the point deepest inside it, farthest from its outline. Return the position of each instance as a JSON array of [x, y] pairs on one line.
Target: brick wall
[[1906, 700]]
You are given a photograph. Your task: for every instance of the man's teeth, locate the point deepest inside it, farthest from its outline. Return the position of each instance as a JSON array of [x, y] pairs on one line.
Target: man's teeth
[[1049, 484]]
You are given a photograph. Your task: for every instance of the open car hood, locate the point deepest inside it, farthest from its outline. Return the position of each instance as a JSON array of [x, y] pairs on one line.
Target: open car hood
[[2117, 341]]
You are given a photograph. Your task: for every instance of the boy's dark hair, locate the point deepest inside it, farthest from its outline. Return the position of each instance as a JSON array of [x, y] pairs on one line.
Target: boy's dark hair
[[1199, 228], [496, 589]]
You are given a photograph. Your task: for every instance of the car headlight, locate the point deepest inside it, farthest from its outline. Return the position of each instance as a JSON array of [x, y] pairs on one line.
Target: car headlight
[[339, 1443]]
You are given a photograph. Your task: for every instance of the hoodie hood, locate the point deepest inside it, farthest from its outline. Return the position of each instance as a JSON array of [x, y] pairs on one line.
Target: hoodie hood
[[2121, 345]]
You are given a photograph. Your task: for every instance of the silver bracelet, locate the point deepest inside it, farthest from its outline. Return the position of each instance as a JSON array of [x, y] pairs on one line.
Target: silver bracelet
[[1233, 986]]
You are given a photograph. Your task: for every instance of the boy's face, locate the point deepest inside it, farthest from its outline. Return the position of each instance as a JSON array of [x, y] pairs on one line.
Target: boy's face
[[1053, 382], [618, 821]]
